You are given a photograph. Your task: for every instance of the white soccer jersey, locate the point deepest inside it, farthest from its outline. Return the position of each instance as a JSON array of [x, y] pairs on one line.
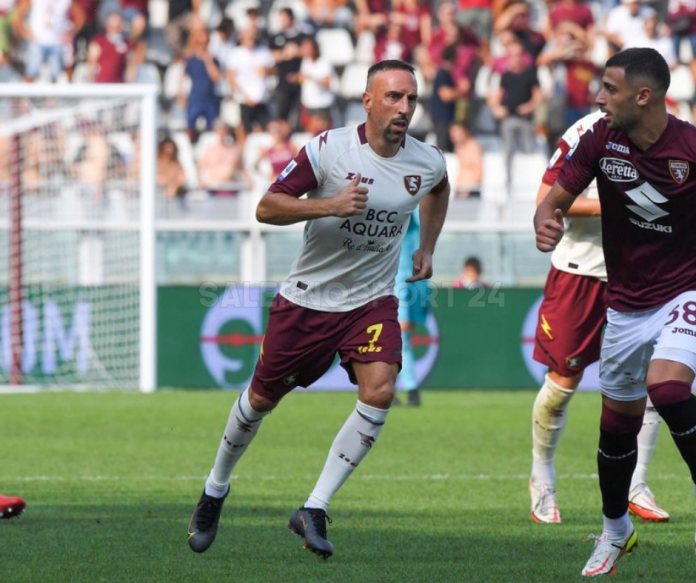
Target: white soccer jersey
[[580, 249], [347, 262]]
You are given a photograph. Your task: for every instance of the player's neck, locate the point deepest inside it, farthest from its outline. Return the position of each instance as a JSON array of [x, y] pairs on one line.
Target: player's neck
[[650, 132], [379, 145]]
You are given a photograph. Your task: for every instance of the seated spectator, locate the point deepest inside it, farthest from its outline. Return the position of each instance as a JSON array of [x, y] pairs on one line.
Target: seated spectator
[[281, 153], [316, 78], [108, 55], [50, 40], [469, 154], [171, 178], [247, 68], [97, 161], [221, 164], [470, 277], [203, 70], [514, 104], [626, 23]]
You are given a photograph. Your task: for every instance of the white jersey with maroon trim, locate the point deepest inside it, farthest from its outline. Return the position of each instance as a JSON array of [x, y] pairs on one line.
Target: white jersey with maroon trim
[[580, 249], [347, 262]]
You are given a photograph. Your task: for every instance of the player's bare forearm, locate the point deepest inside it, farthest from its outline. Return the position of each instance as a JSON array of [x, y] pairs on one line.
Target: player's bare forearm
[[433, 209], [582, 207], [277, 208], [548, 219]]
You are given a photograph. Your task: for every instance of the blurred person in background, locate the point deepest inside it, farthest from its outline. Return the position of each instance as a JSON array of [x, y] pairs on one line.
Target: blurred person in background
[[477, 16], [655, 39], [681, 17], [389, 43], [97, 161], [221, 167], [470, 276], [203, 100], [516, 17], [370, 15], [135, 14], [179, 17], [626, 23], [281, 152], [467, 183], [247, 68], [329, 14], [415, 18], [7, 37], [109, 53], [444, 100], [49, 28], [575, 12], [513, 104], [316, 77], [171, 178]]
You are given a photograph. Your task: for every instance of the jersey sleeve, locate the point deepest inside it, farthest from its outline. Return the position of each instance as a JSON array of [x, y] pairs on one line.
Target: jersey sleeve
[[306, 171], [441, 179], [577, 172], [555, 163]]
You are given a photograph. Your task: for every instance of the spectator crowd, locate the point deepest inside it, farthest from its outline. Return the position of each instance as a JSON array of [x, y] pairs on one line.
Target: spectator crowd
[[244, 83]]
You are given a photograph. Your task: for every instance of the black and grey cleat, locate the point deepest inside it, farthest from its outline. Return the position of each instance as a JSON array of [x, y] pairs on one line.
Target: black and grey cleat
[[310, 524], [204, 522]]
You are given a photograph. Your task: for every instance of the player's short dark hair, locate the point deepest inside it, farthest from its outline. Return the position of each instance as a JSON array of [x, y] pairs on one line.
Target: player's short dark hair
[[643, 62], [473, 262], [388, 65]]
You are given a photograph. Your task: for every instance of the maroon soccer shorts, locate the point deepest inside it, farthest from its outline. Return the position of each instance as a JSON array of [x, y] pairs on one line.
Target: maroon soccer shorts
[[300, 344], [571, 319]]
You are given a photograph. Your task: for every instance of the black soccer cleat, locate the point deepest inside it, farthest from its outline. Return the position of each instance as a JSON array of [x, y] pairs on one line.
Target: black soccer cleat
[[310, 524], [204, 522], [414, 399]]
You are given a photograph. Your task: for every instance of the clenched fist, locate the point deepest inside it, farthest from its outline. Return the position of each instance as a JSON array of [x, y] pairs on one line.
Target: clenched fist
[[550, 232]]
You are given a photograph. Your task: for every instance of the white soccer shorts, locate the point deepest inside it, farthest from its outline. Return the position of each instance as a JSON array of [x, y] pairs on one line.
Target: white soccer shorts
[[633, 339]]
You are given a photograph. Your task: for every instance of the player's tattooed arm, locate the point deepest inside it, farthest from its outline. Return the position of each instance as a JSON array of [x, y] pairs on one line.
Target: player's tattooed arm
[[548, 220]]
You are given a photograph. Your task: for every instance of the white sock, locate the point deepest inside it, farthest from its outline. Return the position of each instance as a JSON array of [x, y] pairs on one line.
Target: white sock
[[617, 528], [647, 438], [352, 444], [242, 425], [549, 418]]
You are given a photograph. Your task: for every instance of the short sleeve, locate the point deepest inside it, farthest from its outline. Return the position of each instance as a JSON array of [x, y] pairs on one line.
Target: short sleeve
[[441, 179], [306, 171], [555, 163], [577, 172]]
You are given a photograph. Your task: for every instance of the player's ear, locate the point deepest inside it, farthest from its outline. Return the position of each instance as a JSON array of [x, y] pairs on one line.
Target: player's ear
[[367, 101], [643, 96]]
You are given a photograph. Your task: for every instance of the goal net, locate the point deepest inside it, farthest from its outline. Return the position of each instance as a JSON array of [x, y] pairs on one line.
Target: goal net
[[77, 305]]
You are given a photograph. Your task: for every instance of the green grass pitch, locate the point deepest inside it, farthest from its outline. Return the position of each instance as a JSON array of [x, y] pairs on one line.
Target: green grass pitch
[[111, 481]]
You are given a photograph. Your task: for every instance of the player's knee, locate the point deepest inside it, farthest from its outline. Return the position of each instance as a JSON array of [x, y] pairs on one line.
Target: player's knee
[[570, 383], [380, 394], [260, 403], [669, 393], [619, 423]]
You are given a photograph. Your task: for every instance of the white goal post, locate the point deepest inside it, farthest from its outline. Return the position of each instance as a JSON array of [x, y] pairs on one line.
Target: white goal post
[[77, 236]]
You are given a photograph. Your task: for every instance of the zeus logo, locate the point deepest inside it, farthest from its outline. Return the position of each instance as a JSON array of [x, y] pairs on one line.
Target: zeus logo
[[645, 196]]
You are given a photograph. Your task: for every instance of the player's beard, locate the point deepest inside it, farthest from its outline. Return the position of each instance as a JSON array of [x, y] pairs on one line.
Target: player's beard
[[393, 137]]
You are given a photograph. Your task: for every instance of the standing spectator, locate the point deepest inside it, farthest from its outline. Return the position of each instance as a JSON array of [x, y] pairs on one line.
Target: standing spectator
[[181, 12], [49, 30], [247, 68], [222, 41], [370, 15], [576, 12], [477, 16], [85, 33], [516, 18], [514, 103], [329, 13], [109, 53], [316, 77], [443, 102], [682, 24], [221, 164], [281, 153], [171, 178], [416, 21], [626, 23], [654, 40], [204, 72], [389, 43], [467, 183]]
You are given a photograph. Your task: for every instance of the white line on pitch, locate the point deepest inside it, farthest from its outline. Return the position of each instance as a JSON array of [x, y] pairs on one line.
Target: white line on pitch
[[271, 478]]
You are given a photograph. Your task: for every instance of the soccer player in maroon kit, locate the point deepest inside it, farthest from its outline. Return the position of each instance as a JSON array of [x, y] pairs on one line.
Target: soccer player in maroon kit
[[642, 158]]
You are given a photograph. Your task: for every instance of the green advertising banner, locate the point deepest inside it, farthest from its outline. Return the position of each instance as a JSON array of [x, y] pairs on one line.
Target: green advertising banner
[[210, 337]]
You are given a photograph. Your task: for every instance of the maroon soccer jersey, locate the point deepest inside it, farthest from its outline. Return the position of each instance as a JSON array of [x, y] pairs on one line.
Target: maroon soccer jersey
[[648, 211]]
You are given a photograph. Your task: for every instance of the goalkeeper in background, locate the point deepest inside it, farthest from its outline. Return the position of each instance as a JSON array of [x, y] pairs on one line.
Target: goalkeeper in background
[[11, 506], [413, 309]]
